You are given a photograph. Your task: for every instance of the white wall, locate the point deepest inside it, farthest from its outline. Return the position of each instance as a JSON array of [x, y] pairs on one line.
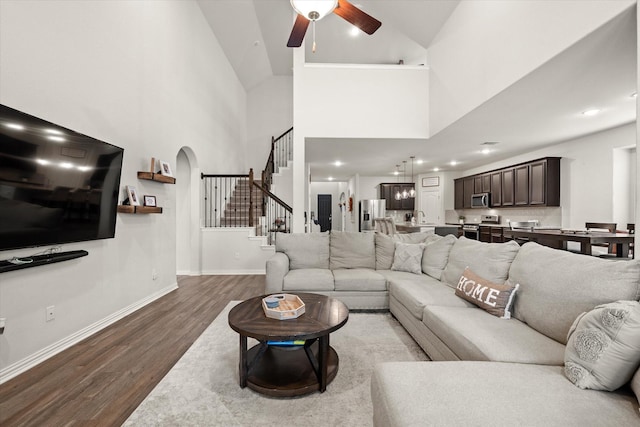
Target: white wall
[[486, 46], [147, 76], [228, 252], [586, 174], [270, 113]]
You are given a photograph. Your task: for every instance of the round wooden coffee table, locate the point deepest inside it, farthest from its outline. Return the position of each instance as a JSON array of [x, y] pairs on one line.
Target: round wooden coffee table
[[285, 371]]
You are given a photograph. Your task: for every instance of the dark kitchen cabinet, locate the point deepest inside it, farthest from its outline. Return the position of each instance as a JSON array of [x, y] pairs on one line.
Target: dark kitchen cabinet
[[387, 191], [458, 193], [496, 189], [521, 185], [508, 183], [469, 185], [544, 182], [535, 183]]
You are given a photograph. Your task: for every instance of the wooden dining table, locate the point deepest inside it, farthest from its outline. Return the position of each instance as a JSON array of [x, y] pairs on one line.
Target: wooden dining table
[[558, 239]]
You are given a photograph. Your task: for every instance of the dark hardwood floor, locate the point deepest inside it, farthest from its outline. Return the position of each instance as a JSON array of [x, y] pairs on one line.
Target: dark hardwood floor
[[101, 380]]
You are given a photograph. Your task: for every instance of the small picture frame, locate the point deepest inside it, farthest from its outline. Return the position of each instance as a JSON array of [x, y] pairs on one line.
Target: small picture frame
[[132, 195], [164, 168], [149, 200]]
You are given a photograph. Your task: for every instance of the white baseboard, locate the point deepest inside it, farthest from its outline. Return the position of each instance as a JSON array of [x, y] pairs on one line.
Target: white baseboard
[[40, 356], [233, 272]]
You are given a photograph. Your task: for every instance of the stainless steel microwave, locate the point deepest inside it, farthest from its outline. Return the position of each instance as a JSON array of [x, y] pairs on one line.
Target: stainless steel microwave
[[481, 200]]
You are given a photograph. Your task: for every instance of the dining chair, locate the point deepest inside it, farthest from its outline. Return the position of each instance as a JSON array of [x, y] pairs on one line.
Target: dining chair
[[602, 226]]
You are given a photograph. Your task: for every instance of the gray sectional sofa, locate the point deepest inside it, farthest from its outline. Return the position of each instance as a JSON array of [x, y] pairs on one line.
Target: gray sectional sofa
[[486, 370]]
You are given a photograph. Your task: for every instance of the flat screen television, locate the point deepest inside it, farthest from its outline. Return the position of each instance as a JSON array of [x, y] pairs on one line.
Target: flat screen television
[[56, 185]]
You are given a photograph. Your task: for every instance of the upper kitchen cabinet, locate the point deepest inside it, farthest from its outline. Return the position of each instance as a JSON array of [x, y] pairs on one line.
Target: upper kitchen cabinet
[[387, 191], [535, 183]]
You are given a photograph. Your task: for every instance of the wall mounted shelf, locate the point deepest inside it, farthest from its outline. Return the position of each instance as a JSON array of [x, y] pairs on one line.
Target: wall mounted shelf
[[151, 176], [139, 209]]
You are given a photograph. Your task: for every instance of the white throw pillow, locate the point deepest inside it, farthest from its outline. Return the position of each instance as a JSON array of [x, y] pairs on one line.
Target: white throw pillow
[[408, 257], [603, 346]]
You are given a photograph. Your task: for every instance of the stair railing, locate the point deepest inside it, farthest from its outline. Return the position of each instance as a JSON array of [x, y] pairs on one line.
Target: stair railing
[[281, 152], [227, 200], [276, 215]]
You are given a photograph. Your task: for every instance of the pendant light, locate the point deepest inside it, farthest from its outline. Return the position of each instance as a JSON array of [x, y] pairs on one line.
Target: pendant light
[[412, 192], [397, 196], [405, 193]]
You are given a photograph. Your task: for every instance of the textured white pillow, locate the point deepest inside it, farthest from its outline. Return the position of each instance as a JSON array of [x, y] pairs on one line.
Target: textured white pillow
[[408, 257], [603, 346]]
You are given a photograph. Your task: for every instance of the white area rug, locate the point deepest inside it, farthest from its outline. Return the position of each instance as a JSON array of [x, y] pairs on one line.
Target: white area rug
[[202, 388]]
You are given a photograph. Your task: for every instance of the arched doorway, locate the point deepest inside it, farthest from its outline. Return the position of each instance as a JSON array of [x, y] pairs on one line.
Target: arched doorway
[[188, 258]]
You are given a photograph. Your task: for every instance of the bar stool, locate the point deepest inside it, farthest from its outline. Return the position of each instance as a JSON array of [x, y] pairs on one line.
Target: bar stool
[[602, 226]]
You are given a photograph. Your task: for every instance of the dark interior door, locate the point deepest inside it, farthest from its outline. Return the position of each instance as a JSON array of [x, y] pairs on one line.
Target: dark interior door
[[324, 211]]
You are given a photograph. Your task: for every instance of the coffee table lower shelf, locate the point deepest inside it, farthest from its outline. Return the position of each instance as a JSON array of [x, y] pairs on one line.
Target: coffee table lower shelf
[[287, 371]]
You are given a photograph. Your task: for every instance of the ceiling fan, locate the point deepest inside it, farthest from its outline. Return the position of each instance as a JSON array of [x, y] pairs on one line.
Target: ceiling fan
[[314, 10]]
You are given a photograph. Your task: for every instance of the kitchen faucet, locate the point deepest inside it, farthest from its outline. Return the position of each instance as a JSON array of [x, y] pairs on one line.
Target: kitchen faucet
[[423, 215]]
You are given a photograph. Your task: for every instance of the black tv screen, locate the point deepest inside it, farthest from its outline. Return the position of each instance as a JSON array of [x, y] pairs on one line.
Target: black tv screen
[[56, 185]]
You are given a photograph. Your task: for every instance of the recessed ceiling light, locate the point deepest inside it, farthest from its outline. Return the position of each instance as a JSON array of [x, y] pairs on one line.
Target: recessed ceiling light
[[330, 178], [53, 131], [42, 161], [354, 31], [66, 165], [338, 163], [485, 151], [591, 112], [419, 161], [453, 163], [56, 138], [436, 169], [14, 126]]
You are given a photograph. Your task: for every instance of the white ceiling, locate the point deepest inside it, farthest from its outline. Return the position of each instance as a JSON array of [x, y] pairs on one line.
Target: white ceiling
[[541, 109]]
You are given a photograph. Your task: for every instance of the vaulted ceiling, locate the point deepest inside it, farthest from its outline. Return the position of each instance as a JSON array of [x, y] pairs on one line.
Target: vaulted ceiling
[[541, 109]]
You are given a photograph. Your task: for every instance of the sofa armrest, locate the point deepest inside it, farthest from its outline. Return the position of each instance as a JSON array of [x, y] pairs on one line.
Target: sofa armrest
[[277, 268]]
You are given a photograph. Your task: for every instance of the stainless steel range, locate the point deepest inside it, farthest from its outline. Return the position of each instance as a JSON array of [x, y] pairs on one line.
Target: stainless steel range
[[472, 230]]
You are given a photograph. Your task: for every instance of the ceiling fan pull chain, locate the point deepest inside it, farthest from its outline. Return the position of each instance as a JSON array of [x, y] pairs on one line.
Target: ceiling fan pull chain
[[313, 27]]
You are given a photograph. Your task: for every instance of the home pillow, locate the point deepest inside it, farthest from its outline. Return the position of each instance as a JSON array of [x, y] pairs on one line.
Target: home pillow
[[305, 250], [352, 250], [603, 346], [408, 257], [491, 297]]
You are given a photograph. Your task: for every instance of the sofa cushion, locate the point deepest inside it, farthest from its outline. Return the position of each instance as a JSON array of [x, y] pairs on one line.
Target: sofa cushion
[[603, 348], [488, 393], [416, 292], [489, 260], [493, 298], [352, 250], [635, 384], [473, 334], [408, 257], [385, 248], [358, 279], [567, 284], [308, 279], [436, 255], [305, 250]]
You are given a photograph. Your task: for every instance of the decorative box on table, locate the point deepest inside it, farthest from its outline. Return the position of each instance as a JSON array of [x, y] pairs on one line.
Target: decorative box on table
[[289, 307]]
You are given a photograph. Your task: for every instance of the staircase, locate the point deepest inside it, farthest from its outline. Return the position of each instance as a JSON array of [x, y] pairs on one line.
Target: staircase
[[236, 212]]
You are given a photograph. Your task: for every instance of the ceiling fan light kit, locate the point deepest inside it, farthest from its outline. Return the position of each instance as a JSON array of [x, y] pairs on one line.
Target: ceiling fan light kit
[[314, 10]]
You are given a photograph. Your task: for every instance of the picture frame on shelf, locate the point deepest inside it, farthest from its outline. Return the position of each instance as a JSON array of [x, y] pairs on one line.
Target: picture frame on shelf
[[132, 195], [164, 168], [150, 200]]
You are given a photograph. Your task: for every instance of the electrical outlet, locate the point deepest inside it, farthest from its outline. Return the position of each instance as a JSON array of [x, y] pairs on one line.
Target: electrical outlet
[[237, 255], [50, 313], [154, 274]]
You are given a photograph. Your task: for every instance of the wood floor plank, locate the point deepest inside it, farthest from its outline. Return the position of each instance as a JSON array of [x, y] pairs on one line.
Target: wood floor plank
[[102, 380]]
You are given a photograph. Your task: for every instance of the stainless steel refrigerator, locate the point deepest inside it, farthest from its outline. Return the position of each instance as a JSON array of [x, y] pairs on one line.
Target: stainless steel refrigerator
[[368, 211]]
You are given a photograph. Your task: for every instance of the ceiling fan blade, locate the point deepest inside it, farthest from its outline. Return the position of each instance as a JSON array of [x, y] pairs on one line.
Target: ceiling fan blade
[[298, 31], [355, 16]]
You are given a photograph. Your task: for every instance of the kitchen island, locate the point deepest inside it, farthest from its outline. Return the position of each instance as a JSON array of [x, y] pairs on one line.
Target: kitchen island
[[439, 229]]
